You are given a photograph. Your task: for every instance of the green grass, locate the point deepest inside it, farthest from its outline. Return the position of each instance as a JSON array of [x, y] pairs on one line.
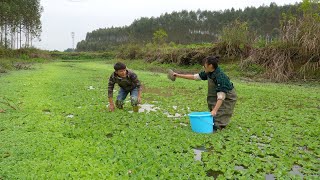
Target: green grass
[[275, 126]]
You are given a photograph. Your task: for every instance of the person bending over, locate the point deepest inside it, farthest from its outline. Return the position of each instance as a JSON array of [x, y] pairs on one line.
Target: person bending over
[[128, 82], [221, 96]]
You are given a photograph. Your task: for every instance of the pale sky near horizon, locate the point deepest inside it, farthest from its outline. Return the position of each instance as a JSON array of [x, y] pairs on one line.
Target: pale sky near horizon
[[61, 17]]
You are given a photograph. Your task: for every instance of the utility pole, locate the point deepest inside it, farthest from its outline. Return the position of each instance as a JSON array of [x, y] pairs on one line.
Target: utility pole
[[72, 35]]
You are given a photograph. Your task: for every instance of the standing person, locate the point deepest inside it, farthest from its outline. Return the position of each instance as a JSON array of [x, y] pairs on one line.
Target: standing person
[[128, 82], [221, 96]]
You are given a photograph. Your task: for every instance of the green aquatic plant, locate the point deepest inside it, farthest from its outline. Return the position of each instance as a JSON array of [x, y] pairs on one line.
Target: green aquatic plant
[[63, 129]]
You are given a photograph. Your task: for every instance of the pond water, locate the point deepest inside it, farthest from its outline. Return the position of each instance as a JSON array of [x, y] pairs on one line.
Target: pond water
[[197, 157], [197, 151], [70, 116], [269, 177], [46, 111], [146, 108], [296, 171], [176, 115], [90, 88]]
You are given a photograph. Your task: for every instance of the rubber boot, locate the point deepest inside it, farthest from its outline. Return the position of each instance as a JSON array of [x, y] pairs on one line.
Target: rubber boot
[[119, 104], [134, 103], [135, 108]]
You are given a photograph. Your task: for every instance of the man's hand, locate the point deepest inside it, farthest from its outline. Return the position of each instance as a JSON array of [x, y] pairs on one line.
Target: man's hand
[[216, 107], [213, 113], [139, 100], [111, 107]]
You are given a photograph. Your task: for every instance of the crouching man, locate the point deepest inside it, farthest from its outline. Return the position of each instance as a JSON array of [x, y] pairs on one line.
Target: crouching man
[[128, 82]]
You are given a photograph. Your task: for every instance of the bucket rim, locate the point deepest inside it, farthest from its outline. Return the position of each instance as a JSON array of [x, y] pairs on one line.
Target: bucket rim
[[200, 114]]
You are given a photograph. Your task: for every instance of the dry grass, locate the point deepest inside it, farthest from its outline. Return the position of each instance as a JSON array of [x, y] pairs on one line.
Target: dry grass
[[297, 53]]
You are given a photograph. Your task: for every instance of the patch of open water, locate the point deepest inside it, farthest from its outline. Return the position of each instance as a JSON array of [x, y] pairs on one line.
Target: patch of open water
[[296, 169]]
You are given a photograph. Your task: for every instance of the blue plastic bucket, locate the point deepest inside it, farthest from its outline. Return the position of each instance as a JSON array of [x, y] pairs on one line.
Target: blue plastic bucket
[[201, 122]]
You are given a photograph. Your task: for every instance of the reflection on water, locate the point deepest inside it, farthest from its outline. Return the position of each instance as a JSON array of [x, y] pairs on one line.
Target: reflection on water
[[296, 171], [147, 108], [197, 151], [70, 116], [90, 87], [270, 177], [239, 168], [176, 115]]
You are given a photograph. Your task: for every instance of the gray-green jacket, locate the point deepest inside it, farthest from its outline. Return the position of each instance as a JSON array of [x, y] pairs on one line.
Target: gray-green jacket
[[128, 83]]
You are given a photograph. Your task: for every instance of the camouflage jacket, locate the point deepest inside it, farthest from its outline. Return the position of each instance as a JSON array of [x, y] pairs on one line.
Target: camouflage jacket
[[128, 83]]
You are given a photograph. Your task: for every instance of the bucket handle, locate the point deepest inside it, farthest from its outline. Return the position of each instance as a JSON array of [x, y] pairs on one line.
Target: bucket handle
[[206, 121]]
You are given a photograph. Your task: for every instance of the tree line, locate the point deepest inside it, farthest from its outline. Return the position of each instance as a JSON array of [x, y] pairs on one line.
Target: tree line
[[187, 27], [19, 23]]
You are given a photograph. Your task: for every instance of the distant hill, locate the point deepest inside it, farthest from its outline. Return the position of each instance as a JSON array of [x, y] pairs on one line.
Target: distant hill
[[187, 27]]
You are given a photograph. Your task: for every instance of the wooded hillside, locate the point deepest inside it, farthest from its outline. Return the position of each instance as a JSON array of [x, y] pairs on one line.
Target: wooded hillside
[[187, 27]]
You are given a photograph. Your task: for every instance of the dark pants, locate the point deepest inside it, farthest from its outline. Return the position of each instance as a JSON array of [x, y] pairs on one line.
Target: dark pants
[[225, 111]]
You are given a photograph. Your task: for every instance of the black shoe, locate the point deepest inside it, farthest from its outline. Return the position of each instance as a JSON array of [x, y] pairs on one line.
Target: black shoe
[[216, 127]]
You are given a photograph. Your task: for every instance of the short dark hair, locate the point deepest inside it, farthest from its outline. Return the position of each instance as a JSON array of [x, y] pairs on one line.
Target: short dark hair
[[214, 60], [119, 66]]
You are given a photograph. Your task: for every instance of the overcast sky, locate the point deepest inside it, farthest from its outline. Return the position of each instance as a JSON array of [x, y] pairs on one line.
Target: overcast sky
[[61, 17]]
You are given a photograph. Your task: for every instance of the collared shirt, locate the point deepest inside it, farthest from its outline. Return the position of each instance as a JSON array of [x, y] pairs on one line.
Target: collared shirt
[[221, 80], [128, 83]]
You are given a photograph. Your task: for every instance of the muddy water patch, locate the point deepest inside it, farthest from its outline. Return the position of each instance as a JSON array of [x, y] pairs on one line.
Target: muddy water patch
[[296, 171], [70, 116], [239, 168], [91, 88], [46, 111], [176, 115], [146, 108], [198, 151], [270, 177]]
